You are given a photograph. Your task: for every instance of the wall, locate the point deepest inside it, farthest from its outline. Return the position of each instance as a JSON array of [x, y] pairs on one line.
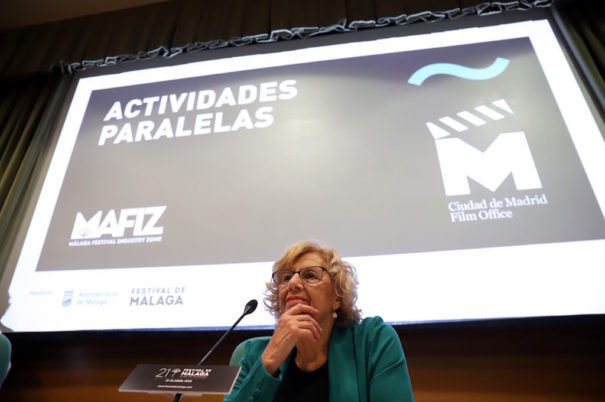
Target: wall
[[561, 359]]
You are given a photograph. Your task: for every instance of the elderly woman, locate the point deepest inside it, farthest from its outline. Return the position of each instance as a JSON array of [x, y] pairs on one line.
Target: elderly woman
[[321, 350]]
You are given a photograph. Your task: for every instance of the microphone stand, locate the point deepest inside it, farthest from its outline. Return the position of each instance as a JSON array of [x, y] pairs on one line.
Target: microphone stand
[[250, 307]]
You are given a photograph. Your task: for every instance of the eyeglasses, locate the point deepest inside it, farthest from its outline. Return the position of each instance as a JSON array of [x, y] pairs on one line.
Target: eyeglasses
[[308, 275]]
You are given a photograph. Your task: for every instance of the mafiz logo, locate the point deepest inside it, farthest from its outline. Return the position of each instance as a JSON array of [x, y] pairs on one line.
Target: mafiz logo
[[139, 221], [508, 154]]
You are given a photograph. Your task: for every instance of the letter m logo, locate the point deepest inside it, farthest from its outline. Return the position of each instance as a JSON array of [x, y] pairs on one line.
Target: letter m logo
[[508, 154]]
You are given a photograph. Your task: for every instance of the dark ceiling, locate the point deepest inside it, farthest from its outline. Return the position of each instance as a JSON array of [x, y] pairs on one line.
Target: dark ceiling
[[18, 13]]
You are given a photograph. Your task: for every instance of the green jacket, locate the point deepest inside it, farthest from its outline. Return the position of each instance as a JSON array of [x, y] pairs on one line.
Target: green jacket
[[365, 364]]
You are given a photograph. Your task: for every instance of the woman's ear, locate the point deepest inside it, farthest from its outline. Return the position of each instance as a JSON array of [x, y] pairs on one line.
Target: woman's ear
[[336, 305]]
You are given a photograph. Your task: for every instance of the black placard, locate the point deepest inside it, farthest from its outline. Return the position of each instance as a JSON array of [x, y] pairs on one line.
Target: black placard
[[183, 379]]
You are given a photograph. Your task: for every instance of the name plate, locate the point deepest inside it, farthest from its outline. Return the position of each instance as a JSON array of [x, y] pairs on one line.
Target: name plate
[[181, 379]]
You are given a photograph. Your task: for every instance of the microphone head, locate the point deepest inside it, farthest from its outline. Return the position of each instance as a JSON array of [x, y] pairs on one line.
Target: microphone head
[[250, 306]]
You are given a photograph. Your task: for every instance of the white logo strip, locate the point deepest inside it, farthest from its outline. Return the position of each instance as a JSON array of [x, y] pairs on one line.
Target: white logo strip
[[487, 111]]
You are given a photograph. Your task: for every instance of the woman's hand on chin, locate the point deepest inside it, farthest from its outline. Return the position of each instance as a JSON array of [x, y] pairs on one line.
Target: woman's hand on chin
[[297, 323]]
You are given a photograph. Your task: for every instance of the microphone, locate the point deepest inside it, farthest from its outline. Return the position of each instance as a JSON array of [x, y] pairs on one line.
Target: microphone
[[249, 309]]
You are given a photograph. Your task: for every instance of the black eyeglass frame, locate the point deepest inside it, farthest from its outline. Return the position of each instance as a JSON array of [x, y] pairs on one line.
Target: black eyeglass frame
[[303, 280]]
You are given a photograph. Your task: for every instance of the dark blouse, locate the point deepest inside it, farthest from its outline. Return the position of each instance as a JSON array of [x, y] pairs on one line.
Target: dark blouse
[[298, 385]]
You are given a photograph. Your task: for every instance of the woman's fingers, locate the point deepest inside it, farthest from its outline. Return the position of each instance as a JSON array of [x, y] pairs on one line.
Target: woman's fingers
[[301, 309], [298, 325], [307, 323], [295, 324]]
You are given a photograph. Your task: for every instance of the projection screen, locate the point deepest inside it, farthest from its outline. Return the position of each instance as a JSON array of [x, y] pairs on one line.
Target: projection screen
[[462, 174]]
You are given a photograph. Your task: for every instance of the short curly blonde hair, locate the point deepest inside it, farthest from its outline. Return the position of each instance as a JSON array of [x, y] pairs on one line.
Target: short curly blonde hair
[[344, 280]]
